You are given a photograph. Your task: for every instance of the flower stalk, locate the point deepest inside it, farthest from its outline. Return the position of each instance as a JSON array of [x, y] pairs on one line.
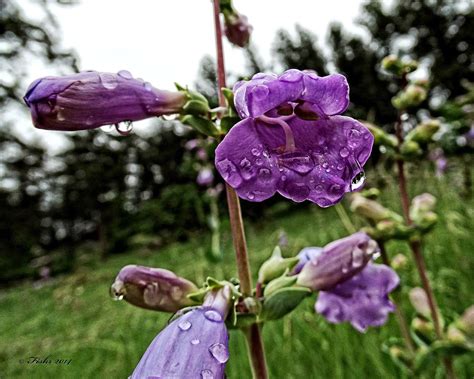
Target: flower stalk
[[253, 332]]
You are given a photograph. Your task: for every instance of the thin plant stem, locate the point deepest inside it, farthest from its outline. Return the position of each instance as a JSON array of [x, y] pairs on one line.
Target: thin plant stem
[[402, 322], [252, 333], [416, 248], [345, 219]]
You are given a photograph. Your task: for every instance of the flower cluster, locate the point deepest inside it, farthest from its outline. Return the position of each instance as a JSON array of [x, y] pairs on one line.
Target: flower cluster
[[292, 139]]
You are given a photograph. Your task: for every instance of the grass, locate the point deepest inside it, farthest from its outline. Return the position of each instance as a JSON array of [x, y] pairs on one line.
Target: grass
[[72, 317]]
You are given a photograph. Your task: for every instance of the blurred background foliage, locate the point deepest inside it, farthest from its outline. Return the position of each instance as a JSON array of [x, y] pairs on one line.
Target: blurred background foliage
[[108, 193]]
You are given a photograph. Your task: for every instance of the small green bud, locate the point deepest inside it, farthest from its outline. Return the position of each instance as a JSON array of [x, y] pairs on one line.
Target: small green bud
[[466, 321], [381, 137], [371, 193], [410, 149], [275, 266], [281, 282], [421, 210], [392, 64], [371, 209], [202, 125], [411, 96], [399, 262], [423, 327], [419, 300], [423, 133], [455, 335]]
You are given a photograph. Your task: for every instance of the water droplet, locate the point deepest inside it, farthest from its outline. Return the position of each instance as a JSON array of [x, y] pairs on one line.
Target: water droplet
[[325, 165], [345, 270], [357, 257], [283, 178], [229, 172], [124, 128], [219, 352], [258, 161], [255, 152], [340, 166], [125, 74], [358, 181], [344, 152], [291, 76], [246, 169], [265, 175], [195, 342], [260, 92], [319, 188], [207, 374], [60, 116], [176, 293], [117, 297], [314, 262], [148, 86], [109, 81], [353, 138], [184, 325], [213, 316], [296, 161], [335, 188], [250, 195]]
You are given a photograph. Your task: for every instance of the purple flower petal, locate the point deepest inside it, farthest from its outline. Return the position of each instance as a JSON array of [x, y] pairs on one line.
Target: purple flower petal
[[305, 255], [330, 94], [192, 346], [327, 156], [362, 300], [91, 99]]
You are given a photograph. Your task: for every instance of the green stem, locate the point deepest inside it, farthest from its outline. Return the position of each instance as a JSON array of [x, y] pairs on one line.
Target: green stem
[[345, 219], [252, 333]]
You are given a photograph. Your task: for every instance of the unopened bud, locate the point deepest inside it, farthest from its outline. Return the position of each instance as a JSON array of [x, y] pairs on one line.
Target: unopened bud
[[393, 64], [455, 335], [419, 300], [152, 288], [371, 209], [466, 321], [423, 133], [339, 261], [410, 149], [423, 327], [411, 96], [275, 266], [381, 137], [399, 262]]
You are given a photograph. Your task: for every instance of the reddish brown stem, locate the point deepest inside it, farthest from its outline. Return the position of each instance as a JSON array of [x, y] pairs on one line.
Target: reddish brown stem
[[252, 333]]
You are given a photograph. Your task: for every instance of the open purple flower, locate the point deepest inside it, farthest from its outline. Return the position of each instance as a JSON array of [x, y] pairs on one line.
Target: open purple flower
[[195, 345], [293, 141], [91, 99], [362, 300]]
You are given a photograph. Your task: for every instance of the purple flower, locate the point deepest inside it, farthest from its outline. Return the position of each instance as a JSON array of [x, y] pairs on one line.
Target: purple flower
[[205, 177], [293, 141], [91, 99], [362, 300], [152, 288], [337, 262], [237, 29], [305, 255], [196, 345]]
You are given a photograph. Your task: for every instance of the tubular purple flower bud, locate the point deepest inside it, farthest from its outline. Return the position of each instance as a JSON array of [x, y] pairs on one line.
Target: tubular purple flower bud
[[91, 99], [152, 288], [237, 28], [362, 300], [339, 261], [196, 345]]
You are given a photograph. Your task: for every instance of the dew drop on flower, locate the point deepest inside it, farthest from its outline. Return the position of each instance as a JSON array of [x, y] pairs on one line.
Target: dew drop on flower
[[125, 74], [207, 374], [148, 86], [213, 316], [265, 174], [195, 342], [109, 81], [298, 162], [344, 152], [250, 196], [124, 128], [255, 152], [246, 168], [229, 172], [219, 352], [358, 181], [184, 325]]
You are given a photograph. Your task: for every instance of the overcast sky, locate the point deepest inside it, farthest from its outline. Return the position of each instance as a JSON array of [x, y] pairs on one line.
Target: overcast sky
[[164, 41]]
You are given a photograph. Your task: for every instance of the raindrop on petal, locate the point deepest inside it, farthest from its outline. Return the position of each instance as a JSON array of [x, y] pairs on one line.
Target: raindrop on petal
[[184, 325], [344, 152], [219, 352], [124, 128], [148, 86], [229, 172], [357, 257], [195, 342], [358, 181], [298, 162], [125, 74], [109, 81], [213, 316], [207, 374]]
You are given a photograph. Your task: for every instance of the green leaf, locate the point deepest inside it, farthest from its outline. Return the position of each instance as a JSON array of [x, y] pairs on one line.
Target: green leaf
[[282, 302], [202, 125], [196, 107]]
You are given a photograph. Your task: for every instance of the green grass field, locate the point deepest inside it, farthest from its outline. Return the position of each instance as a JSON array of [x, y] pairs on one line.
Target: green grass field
[[73, 317]]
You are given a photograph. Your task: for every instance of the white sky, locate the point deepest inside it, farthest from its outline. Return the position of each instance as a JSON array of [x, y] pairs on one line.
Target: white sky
[[164, 41]]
